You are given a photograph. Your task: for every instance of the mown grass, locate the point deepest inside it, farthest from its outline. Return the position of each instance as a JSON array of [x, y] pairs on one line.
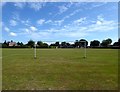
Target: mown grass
[[60, 69]]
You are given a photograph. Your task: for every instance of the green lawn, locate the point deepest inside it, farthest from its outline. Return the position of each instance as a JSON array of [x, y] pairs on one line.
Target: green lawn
[[60, 69]]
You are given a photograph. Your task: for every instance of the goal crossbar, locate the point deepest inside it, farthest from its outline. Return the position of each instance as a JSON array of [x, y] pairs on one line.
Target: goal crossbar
[[35, 56]]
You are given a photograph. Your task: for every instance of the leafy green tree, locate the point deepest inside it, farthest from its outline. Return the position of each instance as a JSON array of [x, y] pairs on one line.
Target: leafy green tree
[[18, 43], [68, 44], [109, 41], [106, 43], [57, 43], [45, 45], [116, 44], [77, 43], [21, 44], [119, 41], [5, 44], [82, 43], [94, 43], [31, 43], [40, 43], [63, 44]]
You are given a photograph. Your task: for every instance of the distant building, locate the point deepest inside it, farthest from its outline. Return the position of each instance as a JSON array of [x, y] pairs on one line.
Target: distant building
[[12, 44]]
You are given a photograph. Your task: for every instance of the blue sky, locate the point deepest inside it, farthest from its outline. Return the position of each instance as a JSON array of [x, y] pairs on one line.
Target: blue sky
[[59, 21]]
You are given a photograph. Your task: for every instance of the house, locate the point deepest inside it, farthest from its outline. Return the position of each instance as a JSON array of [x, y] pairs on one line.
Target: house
[[12, 44]]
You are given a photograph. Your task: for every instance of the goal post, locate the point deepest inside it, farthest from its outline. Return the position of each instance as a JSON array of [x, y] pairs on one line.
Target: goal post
[[35, 56], [85, 46], [85, 54]]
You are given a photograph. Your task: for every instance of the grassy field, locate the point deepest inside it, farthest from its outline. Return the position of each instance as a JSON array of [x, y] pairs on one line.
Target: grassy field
[[60, 69]]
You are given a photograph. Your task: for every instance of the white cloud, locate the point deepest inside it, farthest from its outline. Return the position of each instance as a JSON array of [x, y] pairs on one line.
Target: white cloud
[[26, 22], [20, 5], [58, 22], [37, 5], [13, 23], [41, 21], [100, 17], [95, 5], [49, 21], [13, 34], [62, 9], [72, 31], [26, 30], [32, 28], [6, 29], [102, 27], [71, 14], [99, 22], [79, 21]]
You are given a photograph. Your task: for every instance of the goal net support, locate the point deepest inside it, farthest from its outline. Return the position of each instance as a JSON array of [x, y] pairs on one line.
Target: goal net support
[[35, 51], [84, 48], [35, 54]]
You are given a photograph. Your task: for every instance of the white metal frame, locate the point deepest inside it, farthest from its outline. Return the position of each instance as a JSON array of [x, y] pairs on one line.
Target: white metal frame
[[35, 56], [84, 49], [35, 51]]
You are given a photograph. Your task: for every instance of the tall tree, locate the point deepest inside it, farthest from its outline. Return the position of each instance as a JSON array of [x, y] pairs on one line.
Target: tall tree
[[31, 43], [40, 43], [94, 43], [18, 43], [76, 43], [116, 44], [63, 44], [21, 44], [109, 41], [5, 44], [119, 41], [45, 45], [106, 43], [82, 42], [57, 43]]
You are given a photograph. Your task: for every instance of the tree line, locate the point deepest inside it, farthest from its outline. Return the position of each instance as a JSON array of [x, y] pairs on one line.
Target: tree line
[[77, 44]]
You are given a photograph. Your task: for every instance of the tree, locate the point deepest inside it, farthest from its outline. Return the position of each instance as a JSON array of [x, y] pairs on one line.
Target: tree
[[5, 44], [31, 43], [82, 43], [76, 43], [18, 43], [94, 43], [45, 45], [21, 44], [68, 44], [116, 44], [109, 41], [119, 41], [57, 43], [63, 44], [40, 43], [11, 40], [106, 42]]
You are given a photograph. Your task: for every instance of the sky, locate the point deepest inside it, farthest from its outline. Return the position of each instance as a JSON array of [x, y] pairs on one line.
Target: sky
[[59, 21]]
